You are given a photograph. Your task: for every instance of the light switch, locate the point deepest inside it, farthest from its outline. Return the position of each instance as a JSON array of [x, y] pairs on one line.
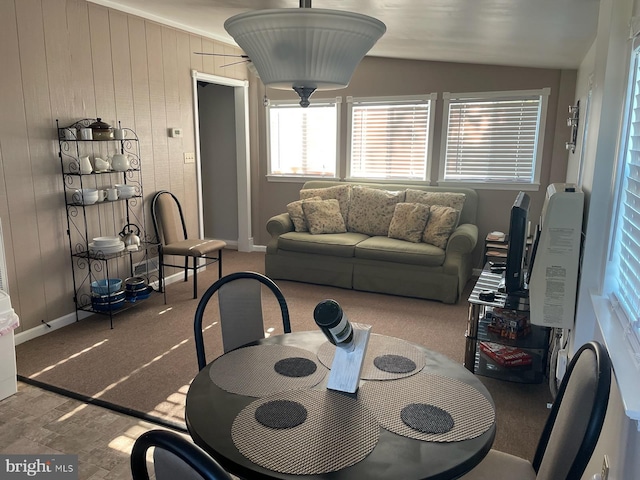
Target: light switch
[[175, 132], [189, 157]]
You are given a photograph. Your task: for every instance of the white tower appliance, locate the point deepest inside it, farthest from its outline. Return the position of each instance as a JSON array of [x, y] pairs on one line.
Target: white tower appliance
[[8, 322]]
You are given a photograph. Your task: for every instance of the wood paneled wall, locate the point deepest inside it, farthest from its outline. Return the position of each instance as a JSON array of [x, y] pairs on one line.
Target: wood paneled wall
[[68, 60]]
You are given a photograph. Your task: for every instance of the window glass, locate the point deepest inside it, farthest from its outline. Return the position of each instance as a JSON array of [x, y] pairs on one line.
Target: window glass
[[493, 137], [624, 265], [390, 138], [303, 141]]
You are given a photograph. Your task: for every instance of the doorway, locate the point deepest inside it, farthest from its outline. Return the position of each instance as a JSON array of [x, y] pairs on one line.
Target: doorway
[[222, 159]]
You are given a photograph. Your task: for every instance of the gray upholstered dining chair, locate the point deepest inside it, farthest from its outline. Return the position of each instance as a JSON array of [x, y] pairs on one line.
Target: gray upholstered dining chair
[[572, 429], [240, 303], [171, 232], [174, 457]]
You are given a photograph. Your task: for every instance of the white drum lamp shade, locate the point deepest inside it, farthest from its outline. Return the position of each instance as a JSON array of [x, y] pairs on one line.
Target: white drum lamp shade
[[303, 48]]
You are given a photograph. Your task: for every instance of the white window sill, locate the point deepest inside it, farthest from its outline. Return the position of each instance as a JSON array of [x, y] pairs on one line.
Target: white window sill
[[624, 365], [529, 187], [298, 178]]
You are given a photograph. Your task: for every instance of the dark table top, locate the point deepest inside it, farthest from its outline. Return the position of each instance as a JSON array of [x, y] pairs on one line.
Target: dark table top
[[211, 411]]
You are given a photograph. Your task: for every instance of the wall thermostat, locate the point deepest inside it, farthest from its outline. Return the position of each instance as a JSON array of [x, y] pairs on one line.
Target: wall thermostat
[[175, 132]]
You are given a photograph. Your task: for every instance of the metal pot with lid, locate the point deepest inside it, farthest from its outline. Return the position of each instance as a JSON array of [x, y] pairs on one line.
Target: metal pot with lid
[[101, 130], [131, 240]]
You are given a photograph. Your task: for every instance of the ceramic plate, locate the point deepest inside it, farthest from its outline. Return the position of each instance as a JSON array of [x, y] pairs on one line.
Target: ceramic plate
[[106, 249]]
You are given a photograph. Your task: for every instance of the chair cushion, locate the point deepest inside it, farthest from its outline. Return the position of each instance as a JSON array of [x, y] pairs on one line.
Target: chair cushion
[[408, 222], [399, 251], [501, 466], [193, 248], [334, 244]]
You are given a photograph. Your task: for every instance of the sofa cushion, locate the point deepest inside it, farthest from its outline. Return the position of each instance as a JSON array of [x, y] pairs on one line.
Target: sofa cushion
[[442, 222], [447, 199], [323, 216], [294, 209], [409, 221], [334, 244], [342, 193], [371, 210], [398, 251]]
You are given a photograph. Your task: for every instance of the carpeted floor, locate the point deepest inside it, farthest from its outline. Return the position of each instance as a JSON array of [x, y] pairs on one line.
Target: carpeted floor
[[147, 360]]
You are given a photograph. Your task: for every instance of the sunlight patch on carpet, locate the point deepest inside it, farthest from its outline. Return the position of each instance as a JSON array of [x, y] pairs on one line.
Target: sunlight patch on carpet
[[71, 357]]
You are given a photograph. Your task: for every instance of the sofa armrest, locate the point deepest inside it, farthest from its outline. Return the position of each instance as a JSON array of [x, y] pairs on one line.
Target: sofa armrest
[[463, 240], [279, 224]]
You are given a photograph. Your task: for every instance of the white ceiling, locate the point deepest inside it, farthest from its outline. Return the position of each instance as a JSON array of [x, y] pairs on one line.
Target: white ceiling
[[533, 33]]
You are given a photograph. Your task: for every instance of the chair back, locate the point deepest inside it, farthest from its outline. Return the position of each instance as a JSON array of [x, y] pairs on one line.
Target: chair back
[[576, 418], [173, 458], [241, 319], [168, 219]]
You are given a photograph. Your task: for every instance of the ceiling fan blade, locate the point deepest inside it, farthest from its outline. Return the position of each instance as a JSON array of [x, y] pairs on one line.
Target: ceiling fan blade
[[221, 54]]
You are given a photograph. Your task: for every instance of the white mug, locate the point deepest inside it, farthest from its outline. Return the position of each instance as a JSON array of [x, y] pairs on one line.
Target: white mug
[[119, 133], [70, 133], [102, 195], [86, 134], [112, 194]]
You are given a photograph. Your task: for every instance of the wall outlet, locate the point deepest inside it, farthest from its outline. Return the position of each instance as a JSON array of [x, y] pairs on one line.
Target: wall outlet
[[189, 157], [604, 473]]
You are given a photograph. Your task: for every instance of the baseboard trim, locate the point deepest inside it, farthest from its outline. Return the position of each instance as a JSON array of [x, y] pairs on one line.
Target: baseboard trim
[[49, 327]]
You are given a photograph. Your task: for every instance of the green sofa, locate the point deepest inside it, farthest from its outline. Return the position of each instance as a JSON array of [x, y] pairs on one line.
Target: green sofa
[[375, 263]]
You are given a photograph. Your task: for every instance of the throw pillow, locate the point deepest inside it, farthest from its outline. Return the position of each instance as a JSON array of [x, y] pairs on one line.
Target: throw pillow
[[371, 210], [339, 192], [446, 199], [297, 215], [409, 221], [442, 222], [323, 216]]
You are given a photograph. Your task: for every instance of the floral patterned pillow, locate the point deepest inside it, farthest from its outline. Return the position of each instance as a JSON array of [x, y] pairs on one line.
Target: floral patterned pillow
[[409, 221], [323, 216], [442, 222], [446, 199], [297, 215], [339, 192], [371, 210]]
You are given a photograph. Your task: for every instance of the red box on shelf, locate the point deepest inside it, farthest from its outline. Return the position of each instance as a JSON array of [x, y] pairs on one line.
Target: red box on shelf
[[506, 356]]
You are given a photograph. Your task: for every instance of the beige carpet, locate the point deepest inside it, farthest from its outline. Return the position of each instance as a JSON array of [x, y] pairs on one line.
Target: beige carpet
[[147, 360]]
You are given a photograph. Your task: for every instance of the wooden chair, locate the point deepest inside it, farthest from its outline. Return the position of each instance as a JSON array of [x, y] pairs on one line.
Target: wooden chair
[[240, 301], [171, 231], [173, 458], [572, 429]]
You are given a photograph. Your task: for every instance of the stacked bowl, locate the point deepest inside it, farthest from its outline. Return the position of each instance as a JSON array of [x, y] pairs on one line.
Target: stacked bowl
[[136, 289], [107, 294], [106, 245]]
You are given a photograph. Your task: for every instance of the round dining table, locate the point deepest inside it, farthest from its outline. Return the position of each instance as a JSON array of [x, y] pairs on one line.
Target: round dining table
[[377, 433]]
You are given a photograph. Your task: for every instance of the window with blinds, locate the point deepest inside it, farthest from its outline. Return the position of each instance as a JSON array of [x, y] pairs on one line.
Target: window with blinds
[[390, 138], [493, 137], [625, 261], [303, 142]]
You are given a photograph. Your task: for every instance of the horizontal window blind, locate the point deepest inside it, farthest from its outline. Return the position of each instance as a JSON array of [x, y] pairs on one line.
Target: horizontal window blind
[[389, 140], [493, 140], [626, 290], [303, 141]]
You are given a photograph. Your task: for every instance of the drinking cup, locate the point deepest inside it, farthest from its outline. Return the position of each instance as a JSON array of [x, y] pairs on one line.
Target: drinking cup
[[119, 133], [112, 194], [86, 134], [102, 195], [70, 133]]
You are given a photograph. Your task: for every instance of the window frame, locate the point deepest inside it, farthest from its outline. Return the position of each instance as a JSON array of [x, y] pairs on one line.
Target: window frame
[[289, 177], [430, 99], [486, 183]]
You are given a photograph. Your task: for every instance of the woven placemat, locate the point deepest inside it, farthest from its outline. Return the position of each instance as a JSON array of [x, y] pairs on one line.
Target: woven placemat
[[381, 350], [470, 410], [337, 432], [254, 371]]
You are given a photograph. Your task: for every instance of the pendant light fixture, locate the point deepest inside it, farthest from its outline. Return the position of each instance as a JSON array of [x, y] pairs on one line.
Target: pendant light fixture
[[303, 48]]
